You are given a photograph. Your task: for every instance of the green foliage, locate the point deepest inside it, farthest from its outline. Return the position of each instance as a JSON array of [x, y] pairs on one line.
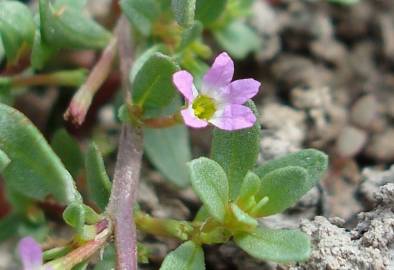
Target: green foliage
[[35, 170], [238, 39], [141, 60], [64, 26], [9, 226], [67, 148], [141, 13], [207, 11], [41, 52], [236, 152], [4, 160], [188, 256], [153, 88], [313, 161], [209, 181], [283, 187], [98, 183], [16, 29], [169, 151], [108, 259], [74, 215], [345, 2], [275, 245], [184, 11]]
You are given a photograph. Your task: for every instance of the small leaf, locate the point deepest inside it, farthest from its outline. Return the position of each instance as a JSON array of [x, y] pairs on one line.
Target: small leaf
[[108, 259], [74, 215], [81, 266], [64, 26], [188, 256], [17, 28], [314, 161], [99, 185], [142, 58], [345, 2], [275, 245], [250, 186], [35, 170], [169, 151], [75, 4], [236, 152], [41, 52], [4, 160], [246, 220], [184, 11], [141, 13], [238, 39], [67, 148], [153, 88], [284, 187], [207, 11], [209, 181]]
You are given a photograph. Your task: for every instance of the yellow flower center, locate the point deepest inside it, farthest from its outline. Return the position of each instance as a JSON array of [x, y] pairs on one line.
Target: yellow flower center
[[204, 107]]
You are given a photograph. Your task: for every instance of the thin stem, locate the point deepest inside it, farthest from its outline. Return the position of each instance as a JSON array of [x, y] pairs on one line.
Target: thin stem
[[163, 122], [82, 99], [128, 165]]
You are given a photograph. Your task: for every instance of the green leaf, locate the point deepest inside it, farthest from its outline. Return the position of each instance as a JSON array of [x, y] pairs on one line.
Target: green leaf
[[35, 170], [142, 58], [9, 226], [207, 11], [81, 266], [41, 52], [188, 256], [108, 259], [275, 245], [63, 26], [250, 186], [75, 4], [313, 161], [345, 2], [98, 183], [238, 39], [141, 13], [189, 35], [153, 88], [244, 218], [4, 160], [74, 215], [283, 187], [67, 148], [169, 151], [236, 152], [17, 28], [184, 11], [209, 181]]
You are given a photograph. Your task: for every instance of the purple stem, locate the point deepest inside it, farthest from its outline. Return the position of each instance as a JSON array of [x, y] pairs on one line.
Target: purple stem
[[128, 165]]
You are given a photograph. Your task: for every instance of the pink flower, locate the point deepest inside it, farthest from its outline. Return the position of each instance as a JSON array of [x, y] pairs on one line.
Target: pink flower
[[30, 254], [219, 100]]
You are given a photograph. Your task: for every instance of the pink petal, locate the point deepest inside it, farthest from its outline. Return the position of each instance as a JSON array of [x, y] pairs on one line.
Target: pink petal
[[30, 254], [233, 117], [191, 120], [183, 81], [242, 90], [220, 74]]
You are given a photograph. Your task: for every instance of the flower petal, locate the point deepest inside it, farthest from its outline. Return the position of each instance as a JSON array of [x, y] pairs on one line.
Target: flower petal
[[191, 120], [241, 90], [183, 81], [233, 117], [30, 254], [220, 74]]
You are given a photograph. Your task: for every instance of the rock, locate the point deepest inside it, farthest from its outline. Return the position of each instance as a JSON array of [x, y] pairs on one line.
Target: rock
[[372, 180], [329, 50], [350, 141], [381, 146], [368, 246], [365, 111]]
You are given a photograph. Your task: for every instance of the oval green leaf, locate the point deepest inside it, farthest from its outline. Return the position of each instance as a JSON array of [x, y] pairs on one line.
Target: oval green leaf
[[34, 170], [275, 245], [184, 11], [152, 87], [236, 152], [188, 256], [209, 181]]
